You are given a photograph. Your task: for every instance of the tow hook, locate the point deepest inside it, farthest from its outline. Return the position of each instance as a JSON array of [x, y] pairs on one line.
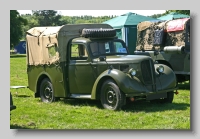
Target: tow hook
[[176, 92], [132, 99]]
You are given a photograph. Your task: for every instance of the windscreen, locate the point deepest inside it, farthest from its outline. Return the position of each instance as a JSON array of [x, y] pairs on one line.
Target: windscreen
[[108, 48]]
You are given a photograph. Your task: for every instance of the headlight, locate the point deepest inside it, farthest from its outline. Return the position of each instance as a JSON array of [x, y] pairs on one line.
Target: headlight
[[132, 72], [160, 69]]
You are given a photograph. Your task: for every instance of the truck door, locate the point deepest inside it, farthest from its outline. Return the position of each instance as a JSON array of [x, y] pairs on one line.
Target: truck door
[[80, 73]]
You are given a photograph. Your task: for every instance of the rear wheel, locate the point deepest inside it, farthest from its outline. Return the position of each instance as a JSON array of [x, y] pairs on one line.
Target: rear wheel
[[111, 96], [46, 91]]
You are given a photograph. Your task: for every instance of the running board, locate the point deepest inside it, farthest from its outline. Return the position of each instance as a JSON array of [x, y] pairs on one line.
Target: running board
[[80, 96]]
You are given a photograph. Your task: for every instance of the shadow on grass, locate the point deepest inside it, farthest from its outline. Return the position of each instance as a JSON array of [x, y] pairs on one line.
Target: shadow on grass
[[136, 106], [18, 127], [146, 106], [17, 55], [22, 96], [84, 102], [184, 85]]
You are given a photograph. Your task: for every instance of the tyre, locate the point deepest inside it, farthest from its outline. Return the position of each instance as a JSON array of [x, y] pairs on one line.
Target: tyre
[[170, 97], [111, 96], [98, 33], [46, 91]]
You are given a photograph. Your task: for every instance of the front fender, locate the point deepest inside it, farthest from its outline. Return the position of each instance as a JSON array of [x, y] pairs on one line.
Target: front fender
[[126, 83], [167, 79]]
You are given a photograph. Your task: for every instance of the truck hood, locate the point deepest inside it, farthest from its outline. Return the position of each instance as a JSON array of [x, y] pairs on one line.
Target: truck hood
[[125, 58]]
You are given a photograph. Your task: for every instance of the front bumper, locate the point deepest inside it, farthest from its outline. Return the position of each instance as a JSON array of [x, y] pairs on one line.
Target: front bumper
[[153, 95]]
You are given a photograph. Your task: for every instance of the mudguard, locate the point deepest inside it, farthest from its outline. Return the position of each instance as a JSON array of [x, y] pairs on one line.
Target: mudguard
[[167, 79], [126, 83], [133, 86]]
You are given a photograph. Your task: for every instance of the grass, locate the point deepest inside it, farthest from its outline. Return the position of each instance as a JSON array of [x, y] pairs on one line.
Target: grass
[[31, 113]]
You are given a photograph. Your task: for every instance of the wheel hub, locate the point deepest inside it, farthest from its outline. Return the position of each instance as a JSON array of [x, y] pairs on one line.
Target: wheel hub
[[110, 96], [47, 92]]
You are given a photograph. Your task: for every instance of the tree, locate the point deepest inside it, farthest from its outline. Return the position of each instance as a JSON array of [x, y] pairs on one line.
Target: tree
[[32, 22], [47, 17], [156, 15], [16, 22], [186, 12], [65, 20]]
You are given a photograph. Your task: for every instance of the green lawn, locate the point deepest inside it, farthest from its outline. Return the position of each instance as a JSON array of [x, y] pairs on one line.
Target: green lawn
[[31, 113]]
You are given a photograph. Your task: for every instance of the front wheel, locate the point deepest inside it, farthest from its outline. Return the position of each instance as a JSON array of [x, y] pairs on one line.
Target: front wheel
[[111, 96], [170, 97], [46, 91]]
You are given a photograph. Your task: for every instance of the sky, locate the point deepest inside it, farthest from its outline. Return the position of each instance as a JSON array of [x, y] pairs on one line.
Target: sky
[[96, 13]]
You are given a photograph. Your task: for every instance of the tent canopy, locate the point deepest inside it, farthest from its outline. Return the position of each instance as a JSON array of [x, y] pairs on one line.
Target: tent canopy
[[126, 27], [172, 16], [128, 19], [21, 47]]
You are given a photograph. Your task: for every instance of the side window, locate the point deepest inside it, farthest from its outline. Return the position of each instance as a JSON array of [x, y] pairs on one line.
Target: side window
[[52, 50], [78, 52], [107, 47], [120, 48]]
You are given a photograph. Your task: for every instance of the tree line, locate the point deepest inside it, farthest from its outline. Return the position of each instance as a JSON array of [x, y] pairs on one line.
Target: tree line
[[19, 24]]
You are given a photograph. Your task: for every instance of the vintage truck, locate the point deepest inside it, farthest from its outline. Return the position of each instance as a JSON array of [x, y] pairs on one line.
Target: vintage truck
[[168, 43], [88, 61]]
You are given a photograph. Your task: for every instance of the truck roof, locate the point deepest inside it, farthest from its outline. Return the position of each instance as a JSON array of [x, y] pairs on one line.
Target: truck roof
[[47, 45]]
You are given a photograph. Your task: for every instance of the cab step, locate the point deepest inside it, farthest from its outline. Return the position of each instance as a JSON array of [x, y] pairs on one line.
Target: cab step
[[80, 96]]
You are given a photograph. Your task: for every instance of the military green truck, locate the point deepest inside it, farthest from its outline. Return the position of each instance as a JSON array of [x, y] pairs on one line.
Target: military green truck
[[168, 43], [88, 61]]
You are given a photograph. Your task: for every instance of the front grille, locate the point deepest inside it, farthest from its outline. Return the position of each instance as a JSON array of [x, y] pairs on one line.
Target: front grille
[[147, 72]]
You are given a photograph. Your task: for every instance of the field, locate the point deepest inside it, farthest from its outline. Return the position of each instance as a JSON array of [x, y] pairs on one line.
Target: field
[[31, 113]]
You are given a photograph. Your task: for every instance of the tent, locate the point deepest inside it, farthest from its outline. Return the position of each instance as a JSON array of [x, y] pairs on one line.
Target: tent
[[20, 48], [126, 27], [172, 16]]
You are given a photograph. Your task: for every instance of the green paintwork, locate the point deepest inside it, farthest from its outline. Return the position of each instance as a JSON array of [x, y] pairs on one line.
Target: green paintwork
[[81, 77], [132, 86], [53, 72], [86, 76]]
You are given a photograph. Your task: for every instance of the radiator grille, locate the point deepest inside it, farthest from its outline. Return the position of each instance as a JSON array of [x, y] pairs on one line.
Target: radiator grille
[[147, 72]]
